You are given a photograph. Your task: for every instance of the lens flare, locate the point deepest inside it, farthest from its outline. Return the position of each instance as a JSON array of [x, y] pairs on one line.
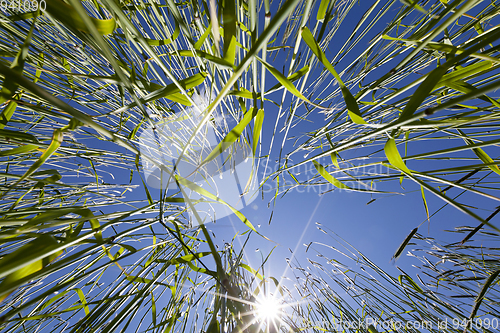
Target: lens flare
[[268, 308]]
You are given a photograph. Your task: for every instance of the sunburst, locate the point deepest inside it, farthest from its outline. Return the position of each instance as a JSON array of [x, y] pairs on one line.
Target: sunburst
[[268, 308]]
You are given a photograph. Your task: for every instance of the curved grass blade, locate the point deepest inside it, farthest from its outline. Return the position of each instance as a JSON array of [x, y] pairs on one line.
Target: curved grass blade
[[335, 182], [295, 76], [488, 161], [285, 81], [259, 120], [232, 136], [70, 17], [20, 257], [392, 153], [229, 18], [480, 297], [422, 92], [350, 101], [194, 187], [9, 87], [401, 247]]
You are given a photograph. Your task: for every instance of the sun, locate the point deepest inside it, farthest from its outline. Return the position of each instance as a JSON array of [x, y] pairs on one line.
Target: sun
[[268, 308]]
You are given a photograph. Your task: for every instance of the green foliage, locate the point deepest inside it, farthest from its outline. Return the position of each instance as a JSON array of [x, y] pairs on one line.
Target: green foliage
[[81, 79]]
